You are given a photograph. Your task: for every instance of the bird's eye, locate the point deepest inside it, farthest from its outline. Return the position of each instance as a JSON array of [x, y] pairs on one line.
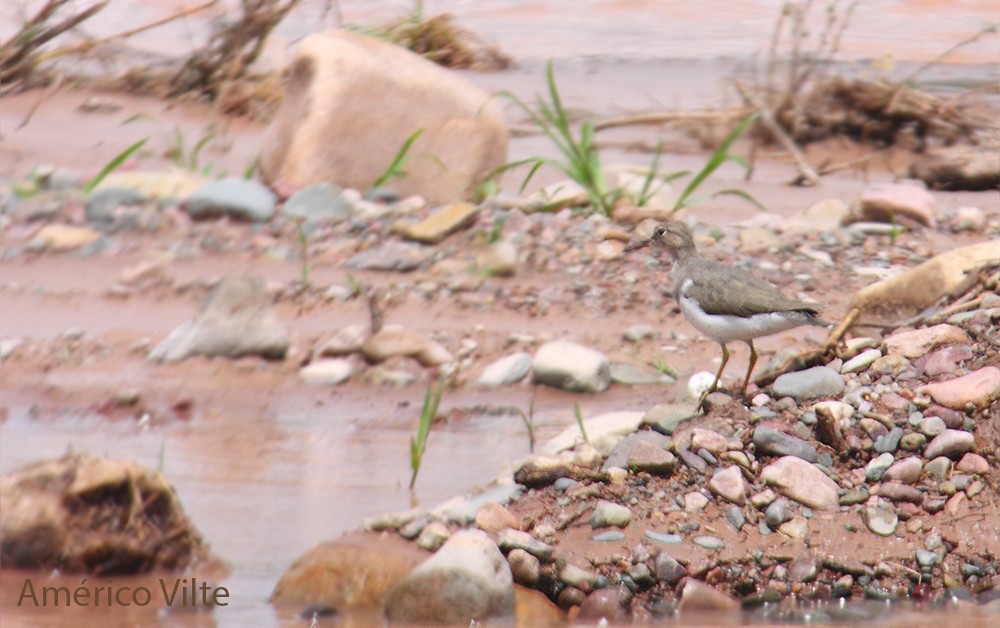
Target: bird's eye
[[658, 232]]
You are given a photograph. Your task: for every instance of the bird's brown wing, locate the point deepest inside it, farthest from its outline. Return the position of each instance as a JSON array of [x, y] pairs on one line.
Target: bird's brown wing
[[728, 290]]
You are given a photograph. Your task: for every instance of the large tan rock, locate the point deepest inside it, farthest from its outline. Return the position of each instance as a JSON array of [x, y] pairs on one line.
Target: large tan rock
[[911, 292], [352, 101]]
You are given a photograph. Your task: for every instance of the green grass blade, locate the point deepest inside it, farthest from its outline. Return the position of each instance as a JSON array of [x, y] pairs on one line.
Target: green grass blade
[[113, 165], [742, 194], [395, 168], [716, 160], [579, 421]]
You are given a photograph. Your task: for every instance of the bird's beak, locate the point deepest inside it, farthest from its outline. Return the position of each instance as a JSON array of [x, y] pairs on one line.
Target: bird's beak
[[638, 245]]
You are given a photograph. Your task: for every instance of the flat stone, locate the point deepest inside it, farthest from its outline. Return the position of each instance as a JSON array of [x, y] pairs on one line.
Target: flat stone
[[709, 440], [892, 202], [60, 237], [818, 381], [802, 481], [700, 597], [316, 203], [610, 536], [570, 366], [442, 223], [880, 518], [951, 444], [693, 460], [506, 371], [979, 388], [932, 426], [777, 513], [638, 333], [348, 340], [177, 183], [889, 442], [237, 319], [918, 342], [973, 463], [607, 514], [709, 542], [394, 341], [796, 528], [906, 471], [666, 539], [912, 442], [768, 440], [494, 518], [877, 467], [326, 372], [468, 578], [944, 361], [667, 417], [937, 469], [629, 374], [802, 570], [511, 539], [898, 492], [500, 259], [729, 485], [578, 577], [642, 451], [823, 216], [601, 428], [667, 569], [240, 198], [756, 240], [525, 568], [861, 361], [694, 502], [391, 256], [916, 289]]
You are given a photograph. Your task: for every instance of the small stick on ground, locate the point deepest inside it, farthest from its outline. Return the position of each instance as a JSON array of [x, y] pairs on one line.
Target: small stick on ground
[[838, 332]]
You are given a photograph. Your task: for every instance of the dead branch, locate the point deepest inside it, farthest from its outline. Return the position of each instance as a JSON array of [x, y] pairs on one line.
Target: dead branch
[[91, 44], [674, 116], [19, 56]]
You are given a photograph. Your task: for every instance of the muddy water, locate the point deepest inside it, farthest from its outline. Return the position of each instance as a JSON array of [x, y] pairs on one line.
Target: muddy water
[[269, 473]]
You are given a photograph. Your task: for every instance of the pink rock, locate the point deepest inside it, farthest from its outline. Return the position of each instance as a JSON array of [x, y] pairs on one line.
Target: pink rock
[[889, 202], [917, 342], [944, 361], [978, 387], [728, 484], [973, 463], [712, 441], [698, 596], [802, 481], [950, 443], [906, 471]]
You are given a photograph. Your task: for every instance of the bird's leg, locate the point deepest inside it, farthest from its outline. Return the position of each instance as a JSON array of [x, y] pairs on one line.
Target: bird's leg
[[753, 361], [715, 383]]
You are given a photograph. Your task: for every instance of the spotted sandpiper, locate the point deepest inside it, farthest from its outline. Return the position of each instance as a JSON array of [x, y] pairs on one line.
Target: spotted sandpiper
[[724, 302]]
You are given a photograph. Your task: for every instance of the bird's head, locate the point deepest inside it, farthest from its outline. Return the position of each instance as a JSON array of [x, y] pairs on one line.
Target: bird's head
[[672, 235]]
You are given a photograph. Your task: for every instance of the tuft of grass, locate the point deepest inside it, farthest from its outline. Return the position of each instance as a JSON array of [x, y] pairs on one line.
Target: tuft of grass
[[581, 160], [579, 421], [395, 169], [113, 165], [418, 443]]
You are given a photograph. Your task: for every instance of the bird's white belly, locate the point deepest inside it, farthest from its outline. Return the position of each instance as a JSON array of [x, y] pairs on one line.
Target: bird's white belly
[[726, 328]]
